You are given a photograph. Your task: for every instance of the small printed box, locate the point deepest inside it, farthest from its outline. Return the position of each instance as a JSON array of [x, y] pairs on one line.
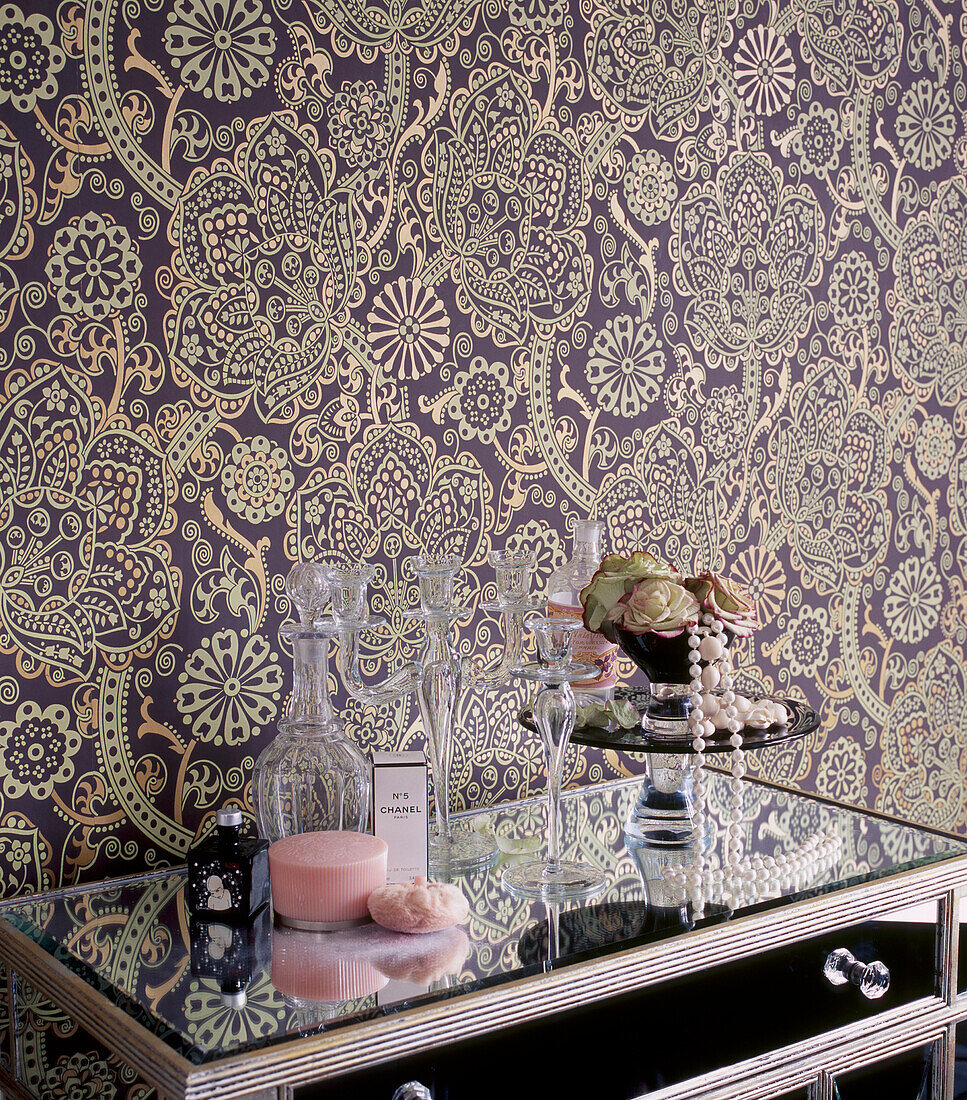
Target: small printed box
[[400, 803]]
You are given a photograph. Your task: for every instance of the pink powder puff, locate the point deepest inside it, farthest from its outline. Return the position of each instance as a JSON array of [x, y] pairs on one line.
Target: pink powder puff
[[418, 906]]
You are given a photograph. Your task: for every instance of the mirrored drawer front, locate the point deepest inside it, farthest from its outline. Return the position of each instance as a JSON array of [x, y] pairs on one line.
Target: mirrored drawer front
[[909, 1076], [633, 1044]]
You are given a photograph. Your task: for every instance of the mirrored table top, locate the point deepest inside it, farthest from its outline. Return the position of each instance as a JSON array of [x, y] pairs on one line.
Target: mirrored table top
[[134, 941]]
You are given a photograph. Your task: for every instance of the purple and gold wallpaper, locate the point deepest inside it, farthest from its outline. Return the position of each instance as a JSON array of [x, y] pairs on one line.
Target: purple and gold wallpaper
[[340, 280]]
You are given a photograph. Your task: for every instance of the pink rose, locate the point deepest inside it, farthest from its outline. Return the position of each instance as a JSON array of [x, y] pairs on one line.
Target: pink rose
[[613, 582], [726, 600]]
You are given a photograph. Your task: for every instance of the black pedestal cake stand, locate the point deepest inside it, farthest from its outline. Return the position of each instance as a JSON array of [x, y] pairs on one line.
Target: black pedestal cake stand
[[663, 812]]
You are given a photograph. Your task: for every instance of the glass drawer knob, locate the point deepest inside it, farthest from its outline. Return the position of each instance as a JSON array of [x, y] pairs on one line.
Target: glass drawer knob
[[872, 978], [412, 1090]]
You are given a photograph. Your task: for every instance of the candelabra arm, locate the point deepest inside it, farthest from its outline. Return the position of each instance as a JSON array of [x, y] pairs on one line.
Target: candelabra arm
[[479, 674], [403, 681]]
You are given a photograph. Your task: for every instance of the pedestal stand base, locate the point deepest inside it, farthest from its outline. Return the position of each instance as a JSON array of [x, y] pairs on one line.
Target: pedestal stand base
[[569, 879], [662, 814], [463, 850]]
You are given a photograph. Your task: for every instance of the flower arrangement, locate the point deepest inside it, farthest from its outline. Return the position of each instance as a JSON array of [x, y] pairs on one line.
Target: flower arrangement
[[643, 595]]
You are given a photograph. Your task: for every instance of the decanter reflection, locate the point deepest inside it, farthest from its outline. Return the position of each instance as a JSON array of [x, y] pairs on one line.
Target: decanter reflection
[[311, 777]]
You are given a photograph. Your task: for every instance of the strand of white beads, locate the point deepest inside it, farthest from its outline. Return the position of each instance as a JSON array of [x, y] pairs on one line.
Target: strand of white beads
[[767, 875], [737, 879], [700, 729], [733, 849], [771, 874]]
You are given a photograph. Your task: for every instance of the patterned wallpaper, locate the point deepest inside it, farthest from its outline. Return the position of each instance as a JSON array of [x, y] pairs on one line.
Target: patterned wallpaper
[[326, 279]]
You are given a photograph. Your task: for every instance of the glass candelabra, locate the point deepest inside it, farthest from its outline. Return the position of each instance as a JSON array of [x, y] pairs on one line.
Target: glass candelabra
[[439, 677], [555, 709]]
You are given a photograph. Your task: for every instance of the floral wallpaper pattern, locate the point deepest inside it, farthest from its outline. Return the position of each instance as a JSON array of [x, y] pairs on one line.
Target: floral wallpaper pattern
[[284, 280]]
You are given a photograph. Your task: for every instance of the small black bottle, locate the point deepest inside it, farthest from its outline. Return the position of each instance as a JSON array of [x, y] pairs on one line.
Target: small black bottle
[[228, 874]]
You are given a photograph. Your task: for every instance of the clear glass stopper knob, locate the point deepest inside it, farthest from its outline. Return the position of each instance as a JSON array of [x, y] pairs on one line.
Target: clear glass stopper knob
[[872, 978], [308, 587]]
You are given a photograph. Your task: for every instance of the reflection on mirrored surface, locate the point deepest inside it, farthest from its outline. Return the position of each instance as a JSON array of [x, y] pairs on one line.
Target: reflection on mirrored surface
[[905, 1077], [133, 939]]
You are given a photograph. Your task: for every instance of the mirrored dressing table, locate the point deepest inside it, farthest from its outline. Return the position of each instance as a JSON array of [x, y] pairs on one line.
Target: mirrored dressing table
[[826, 981]]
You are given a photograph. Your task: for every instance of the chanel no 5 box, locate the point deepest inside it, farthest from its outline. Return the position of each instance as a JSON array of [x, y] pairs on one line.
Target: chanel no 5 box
[[400, 799]]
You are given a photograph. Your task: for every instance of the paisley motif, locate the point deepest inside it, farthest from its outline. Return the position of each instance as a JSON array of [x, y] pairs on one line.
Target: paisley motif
[[925, 744], [270, 262], [424, 25], [507, 196], [17, 204], [394, 488], [648, 506], [850, 43], [831, 465], [660, 63], [749, 251], [80, 510], [929, 335]]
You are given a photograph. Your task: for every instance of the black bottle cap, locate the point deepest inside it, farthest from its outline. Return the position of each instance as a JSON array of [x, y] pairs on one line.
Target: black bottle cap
[[228, 825]]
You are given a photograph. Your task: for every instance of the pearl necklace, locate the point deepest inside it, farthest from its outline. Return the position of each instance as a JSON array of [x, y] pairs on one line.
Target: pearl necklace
[[756, 877], [741, 879]]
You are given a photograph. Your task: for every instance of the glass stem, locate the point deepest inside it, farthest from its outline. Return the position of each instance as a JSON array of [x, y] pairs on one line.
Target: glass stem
[[554, 713], [437, 691], [553, 933]]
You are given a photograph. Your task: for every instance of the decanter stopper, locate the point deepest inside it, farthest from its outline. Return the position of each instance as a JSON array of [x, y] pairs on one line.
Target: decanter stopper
[[307, 585]]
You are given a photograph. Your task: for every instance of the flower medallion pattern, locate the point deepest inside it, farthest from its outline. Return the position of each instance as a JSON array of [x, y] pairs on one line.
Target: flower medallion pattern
[[356, 281], [362, 281], [222, 48]]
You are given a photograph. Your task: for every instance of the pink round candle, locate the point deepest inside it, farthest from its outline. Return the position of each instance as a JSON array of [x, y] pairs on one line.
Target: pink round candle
[[334, 967], [323, 880]]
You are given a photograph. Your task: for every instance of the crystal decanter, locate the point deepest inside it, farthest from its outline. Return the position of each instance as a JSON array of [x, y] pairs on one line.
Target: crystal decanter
[[311, 777]]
